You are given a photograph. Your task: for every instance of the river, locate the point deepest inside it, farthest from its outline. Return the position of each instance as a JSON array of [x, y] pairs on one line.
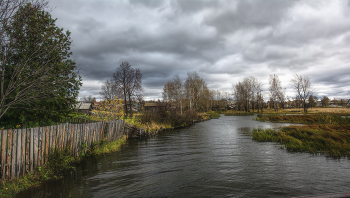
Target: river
[[216, 158]]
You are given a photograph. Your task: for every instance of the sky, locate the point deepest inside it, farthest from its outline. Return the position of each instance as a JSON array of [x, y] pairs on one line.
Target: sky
[[224, 41]]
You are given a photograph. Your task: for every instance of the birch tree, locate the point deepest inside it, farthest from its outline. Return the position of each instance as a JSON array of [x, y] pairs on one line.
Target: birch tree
[[302, 88]]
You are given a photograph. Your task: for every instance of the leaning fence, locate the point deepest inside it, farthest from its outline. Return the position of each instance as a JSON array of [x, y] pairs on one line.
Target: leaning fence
[[25, 150]]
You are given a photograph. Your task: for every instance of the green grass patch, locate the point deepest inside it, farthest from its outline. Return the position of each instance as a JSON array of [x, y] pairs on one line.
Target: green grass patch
[[332, 141], [214, 114]]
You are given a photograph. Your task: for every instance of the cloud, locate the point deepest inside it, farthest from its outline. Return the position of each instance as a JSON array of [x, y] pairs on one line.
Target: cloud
[[224, 41]]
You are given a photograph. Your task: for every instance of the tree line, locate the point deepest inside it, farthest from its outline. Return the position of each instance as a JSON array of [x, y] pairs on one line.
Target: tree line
[[246, 95]]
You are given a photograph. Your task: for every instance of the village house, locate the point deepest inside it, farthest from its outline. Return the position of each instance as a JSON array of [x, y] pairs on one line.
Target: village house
[[83, 107], [156, 106]]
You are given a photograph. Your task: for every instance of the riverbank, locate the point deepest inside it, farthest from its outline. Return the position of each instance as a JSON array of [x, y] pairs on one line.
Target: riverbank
[[60, 163], [327, 134]]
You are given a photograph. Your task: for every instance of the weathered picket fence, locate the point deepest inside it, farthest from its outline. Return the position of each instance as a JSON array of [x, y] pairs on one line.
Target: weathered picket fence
[[25, 150]]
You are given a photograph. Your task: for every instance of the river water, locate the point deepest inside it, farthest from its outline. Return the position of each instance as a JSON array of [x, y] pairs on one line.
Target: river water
[[216, 158]]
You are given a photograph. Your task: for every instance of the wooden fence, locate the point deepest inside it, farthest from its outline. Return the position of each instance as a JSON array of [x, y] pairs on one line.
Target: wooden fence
[[25, 150]]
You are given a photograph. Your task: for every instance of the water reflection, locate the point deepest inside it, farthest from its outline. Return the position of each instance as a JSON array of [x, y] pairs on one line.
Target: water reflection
[[216, 158]]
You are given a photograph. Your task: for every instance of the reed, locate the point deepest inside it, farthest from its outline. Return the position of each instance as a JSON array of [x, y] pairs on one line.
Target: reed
[[334, 119], [331, 140]]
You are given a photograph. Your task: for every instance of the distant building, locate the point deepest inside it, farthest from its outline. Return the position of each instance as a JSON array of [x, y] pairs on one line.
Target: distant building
[[156, 106], [83, 107]]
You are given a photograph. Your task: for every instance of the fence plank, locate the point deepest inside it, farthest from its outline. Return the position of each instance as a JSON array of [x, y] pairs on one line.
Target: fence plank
[[47, 143], [51, 135], [71, 131], [75, 139], [27, 150], [19, 146], [110, 131], [9, 149], [84, 136], [36, 144], [54, 135], [31, 151], [42, 145], [3, 153], [102, 130], [90, 133], [120, 132], [64, 135], [14, 154], [96, 132], [23, 158]]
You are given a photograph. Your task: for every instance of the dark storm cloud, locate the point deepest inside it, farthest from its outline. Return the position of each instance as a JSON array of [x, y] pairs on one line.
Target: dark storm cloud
[[248, 15], [224, 41]]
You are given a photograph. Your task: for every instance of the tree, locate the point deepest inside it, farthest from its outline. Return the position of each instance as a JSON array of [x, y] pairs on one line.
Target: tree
[[109, 90], [312, 101], [244, 93], [88, 98], [173, 92], [195, 86], [325, 101], [38, 80], [303, 89], [128, 82], [277, 93]]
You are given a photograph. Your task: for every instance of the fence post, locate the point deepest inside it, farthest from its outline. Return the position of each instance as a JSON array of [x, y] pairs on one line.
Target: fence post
[[23, 158], [19, 146], [36, 145], [47, 143], [3, 153], [14, 152], [27, 150], [9, 149]]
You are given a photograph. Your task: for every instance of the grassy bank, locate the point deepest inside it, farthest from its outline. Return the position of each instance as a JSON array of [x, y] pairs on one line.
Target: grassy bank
[[239, 113], [59, 163], [334, 119], [214, 114], [331, 140]]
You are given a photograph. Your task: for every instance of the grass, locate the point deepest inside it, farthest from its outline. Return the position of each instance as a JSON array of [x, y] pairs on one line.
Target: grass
[[334, 119], [325, 133], [331, 140], [314, 110], [238, 113], [214, 114], [59, 163]]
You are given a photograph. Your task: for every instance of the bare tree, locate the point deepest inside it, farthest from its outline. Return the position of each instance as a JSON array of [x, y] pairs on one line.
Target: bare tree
[[109, 90], [128, 81], [277, 93], [88, 98], [173, 92], [303, 89]]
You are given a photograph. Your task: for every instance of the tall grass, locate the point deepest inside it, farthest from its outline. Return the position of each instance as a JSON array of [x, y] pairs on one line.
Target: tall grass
[[332, 141], [306, 119]]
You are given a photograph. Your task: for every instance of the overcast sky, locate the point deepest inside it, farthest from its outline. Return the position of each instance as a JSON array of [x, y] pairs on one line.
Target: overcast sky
[[224, 41]]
